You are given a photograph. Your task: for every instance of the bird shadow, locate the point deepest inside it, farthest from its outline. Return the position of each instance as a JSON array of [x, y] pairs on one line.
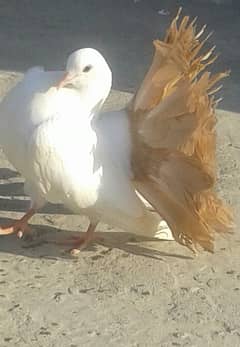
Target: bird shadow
[[49, 242], [46, 240]]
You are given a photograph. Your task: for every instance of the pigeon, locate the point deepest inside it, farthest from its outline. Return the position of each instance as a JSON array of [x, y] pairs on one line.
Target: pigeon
[[160, 147]]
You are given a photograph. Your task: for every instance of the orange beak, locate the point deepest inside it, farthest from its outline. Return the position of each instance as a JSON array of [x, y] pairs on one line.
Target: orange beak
[[67, 78]]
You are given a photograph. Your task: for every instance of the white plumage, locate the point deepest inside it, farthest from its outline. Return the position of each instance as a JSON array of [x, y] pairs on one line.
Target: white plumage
[[163, 144], [67, 154]]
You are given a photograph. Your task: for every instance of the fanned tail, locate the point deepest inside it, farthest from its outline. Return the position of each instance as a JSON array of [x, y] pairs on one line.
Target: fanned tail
[[173, 120]]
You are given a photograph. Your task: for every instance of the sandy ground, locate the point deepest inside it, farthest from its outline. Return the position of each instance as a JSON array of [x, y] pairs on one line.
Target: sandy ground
[[121, 292]]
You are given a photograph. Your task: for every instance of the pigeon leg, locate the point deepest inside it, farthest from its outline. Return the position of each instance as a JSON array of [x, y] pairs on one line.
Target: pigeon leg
[[82, 242], [20, 226], [78, 243]]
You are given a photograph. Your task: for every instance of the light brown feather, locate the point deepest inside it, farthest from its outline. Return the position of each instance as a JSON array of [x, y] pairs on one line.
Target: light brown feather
[[173, 120]]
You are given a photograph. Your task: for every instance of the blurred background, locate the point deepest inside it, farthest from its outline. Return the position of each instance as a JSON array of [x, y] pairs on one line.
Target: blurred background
[[34, 32]]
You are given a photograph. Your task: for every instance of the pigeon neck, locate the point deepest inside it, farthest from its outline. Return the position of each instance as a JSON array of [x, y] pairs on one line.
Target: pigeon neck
[[94, 99]]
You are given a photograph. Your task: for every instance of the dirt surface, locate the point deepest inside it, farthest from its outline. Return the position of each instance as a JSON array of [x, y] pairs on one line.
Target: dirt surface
[[122, 291]]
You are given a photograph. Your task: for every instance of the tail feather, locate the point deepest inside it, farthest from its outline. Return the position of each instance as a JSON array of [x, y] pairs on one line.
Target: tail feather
[[173, 120], [181, 220], [174, 126]]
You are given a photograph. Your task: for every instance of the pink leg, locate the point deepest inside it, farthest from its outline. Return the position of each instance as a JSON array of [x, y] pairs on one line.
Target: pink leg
[[80, 242], [20, 226]]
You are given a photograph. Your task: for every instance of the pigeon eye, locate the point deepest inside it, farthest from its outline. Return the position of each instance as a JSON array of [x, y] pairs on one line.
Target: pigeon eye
[[87, 68]]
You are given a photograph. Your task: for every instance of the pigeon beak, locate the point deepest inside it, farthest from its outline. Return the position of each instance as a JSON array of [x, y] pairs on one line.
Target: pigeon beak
[[67, 78]]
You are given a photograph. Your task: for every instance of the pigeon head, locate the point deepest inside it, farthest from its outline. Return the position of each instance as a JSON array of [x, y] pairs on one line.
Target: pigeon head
[[88, 72]]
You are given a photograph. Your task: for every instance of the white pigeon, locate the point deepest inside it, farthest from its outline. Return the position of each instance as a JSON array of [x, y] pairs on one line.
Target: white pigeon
[[52, 131], [52, 137]]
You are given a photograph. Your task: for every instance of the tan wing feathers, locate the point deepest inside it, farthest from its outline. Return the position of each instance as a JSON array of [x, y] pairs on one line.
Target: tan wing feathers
[[173, 137]]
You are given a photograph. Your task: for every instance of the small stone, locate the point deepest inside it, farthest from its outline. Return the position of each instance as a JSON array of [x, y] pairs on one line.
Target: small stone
[[43, 332], [93, 333], [84, 291], [230, 272], [195, 289], [212, 282], [146, 292], [13, 307], [133, 290], [58, 296], [227, 328], [7, 339]]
